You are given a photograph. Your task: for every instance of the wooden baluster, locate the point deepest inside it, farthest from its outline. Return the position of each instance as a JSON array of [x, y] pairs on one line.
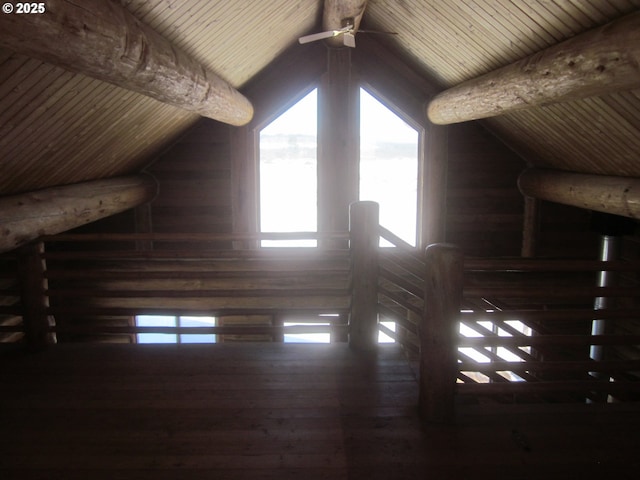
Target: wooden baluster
[[363, 225], [438, 332]]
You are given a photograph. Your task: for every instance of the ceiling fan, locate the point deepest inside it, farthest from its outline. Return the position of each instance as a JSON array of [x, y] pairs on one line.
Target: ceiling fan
[[347, 32]]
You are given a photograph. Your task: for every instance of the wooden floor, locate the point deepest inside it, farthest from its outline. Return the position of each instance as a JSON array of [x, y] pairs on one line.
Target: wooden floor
[[278, 411]]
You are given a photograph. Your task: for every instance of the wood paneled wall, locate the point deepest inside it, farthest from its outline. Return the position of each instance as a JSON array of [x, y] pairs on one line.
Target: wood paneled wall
[[565, 232], [484, 208], [121, 223], [630, 250], [195, 184]]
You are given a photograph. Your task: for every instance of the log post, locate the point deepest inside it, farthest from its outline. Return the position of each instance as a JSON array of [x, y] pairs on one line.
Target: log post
[[363, 226], [599, 61], [434, 196], [438, 332], [602, 193], [28, 216], [530, 227], [35, 303], [340, 334], [338, 144], [104, 40]]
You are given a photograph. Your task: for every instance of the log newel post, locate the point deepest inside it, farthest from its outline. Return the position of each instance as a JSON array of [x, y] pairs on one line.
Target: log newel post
[[363, 226], [438, 332], [35, 303]]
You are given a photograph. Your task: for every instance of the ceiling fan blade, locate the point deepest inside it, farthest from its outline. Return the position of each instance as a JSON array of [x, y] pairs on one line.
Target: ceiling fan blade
[[349, 40], [319, 36]]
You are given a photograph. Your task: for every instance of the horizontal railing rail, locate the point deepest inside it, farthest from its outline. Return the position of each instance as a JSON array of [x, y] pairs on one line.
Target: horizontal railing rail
[[214, 330], [193, 237]]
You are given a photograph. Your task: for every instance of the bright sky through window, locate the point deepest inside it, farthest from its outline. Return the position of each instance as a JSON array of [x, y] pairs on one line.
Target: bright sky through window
[[288, 173], [389, 166], [288, 169], [175, 321]]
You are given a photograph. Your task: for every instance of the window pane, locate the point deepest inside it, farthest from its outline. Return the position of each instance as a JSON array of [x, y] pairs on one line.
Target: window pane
[[174, 321], [288, 173], [156, 321], [389, 166], [383, 337], [306, 337], [197, 322]]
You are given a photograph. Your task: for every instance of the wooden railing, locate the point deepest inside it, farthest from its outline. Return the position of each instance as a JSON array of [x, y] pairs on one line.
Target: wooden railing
[[527, 331], [95, 285], [401, 290], [516, 330], [11, 329], [511, 330]]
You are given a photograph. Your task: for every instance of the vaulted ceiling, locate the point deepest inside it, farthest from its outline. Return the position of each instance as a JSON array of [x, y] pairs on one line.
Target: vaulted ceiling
[[58, 127]]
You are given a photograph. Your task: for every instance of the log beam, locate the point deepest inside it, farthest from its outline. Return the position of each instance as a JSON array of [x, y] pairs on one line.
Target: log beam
[[107, 42], [608, 194], [336, 11], [599, 61], [28, 216]]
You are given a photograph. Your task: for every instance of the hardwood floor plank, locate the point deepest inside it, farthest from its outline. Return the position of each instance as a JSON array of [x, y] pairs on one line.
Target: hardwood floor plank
[[279, 411]]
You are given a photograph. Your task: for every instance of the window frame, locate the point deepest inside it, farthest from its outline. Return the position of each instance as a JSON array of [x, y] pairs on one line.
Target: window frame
[[177, 323]]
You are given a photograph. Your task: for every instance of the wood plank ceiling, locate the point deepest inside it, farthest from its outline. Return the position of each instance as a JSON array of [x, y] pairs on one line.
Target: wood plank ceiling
[[458, 41], [58, 128]]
